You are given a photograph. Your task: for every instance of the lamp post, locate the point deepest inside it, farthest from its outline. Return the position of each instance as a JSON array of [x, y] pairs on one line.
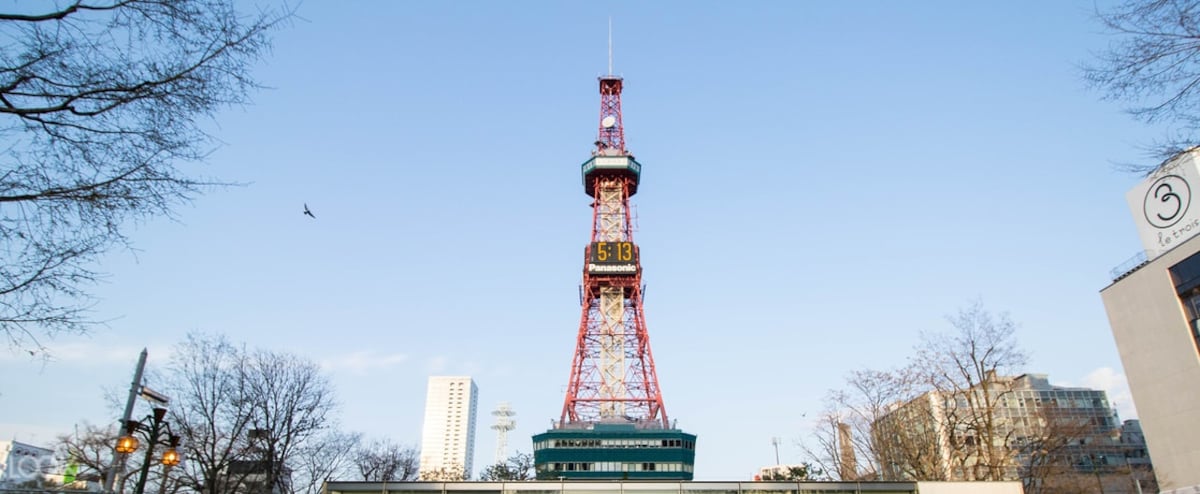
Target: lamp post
[[153, 426]]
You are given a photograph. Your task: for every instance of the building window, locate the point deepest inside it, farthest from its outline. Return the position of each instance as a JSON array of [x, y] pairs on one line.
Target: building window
[[1191, 305], [1186, 276]]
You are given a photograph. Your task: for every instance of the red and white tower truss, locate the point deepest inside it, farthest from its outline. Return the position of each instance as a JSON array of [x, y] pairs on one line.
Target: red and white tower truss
[[612, 374]]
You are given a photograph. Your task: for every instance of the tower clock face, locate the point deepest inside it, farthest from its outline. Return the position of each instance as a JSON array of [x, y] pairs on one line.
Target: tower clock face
[[615, 258]]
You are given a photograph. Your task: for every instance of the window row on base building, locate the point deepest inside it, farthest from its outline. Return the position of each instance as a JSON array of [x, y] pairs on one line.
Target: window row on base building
[[613, 466]]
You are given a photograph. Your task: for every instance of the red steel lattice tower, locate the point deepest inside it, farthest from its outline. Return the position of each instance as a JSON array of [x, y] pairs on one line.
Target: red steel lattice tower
[[612, 373]]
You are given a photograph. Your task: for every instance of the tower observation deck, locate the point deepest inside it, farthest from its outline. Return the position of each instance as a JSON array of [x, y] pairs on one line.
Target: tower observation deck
[[613, 424]]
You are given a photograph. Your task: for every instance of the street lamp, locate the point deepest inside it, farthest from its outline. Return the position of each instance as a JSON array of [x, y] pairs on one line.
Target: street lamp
[[128, 443], [170, 458]]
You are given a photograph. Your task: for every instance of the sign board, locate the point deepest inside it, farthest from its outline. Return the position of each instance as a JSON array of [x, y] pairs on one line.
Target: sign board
[[612, 258], [1164, 205]]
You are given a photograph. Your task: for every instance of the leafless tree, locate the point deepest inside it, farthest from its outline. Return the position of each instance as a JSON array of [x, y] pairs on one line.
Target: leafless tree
[[449, 473], [101, 104], [210, 410], [804, 471], [257, 411], [908, 442], [331, 456], [845, 443], [1153, 66], [292, 405], [864, 400], [517, 467], [88, 447], [823, 446], [952, 414], [385, 461], [961, 367], [1048, 446], [938, 418]]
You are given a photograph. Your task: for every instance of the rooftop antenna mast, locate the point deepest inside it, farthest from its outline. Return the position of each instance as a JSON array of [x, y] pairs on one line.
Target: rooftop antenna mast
[[504, 423], [610, 45]]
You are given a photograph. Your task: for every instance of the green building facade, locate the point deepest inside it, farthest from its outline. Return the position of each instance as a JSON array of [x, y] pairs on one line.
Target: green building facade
[[614, 452]]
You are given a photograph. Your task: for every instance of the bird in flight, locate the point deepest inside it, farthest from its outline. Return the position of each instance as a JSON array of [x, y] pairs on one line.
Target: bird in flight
[[309, 213]]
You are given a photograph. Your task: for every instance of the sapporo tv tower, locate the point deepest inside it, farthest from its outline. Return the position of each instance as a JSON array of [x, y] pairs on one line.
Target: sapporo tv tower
[[613, 423]]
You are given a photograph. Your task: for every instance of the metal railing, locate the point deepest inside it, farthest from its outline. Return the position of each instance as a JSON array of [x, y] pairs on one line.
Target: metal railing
[[1129, 266]]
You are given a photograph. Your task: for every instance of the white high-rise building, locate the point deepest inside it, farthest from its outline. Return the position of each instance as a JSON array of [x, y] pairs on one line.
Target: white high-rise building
[[448, 435]]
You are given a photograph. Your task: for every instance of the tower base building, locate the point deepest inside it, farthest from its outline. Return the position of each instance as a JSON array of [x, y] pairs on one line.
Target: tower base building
[[614, 451]]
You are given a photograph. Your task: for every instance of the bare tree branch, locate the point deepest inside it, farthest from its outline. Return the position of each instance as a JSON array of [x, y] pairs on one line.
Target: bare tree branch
[[385, 461], [1153, 66], [962, 367], [60, 14], [328, 457], [97, 132]]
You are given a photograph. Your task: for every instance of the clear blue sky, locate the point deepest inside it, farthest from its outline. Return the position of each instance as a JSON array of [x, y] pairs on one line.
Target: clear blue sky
[[822, 181]]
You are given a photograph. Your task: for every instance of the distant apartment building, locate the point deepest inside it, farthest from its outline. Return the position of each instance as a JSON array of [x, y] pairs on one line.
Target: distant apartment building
[[1033, 431], [1153, 307], [448, 433], [256, 477]]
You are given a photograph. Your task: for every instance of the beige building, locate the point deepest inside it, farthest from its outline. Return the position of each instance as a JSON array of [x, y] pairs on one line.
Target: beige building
[[1153, 305], [1153, 313], [1052, 438]]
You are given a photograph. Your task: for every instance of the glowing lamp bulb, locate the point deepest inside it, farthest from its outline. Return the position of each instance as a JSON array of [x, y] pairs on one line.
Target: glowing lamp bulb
[[170, 458], [127, 444]]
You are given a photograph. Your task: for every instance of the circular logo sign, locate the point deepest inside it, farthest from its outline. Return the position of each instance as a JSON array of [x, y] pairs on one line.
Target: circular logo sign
[[1167, 201]]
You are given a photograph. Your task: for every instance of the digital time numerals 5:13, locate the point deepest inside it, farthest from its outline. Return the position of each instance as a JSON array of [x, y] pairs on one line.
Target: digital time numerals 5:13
[[614, 251]]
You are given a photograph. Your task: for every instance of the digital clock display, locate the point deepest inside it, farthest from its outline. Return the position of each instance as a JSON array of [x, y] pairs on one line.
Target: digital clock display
[[614, 258]]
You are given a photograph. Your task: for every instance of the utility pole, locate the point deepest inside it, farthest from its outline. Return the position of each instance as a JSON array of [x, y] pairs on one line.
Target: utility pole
[[775, 442], [135, 388]]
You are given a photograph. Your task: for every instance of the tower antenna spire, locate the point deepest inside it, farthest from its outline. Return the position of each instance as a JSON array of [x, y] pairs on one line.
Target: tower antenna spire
[[610, 45]]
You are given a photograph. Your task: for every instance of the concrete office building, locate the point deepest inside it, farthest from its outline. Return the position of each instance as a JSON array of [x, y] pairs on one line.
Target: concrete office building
[[1153, 305], [448, 433], [1041, 431]]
